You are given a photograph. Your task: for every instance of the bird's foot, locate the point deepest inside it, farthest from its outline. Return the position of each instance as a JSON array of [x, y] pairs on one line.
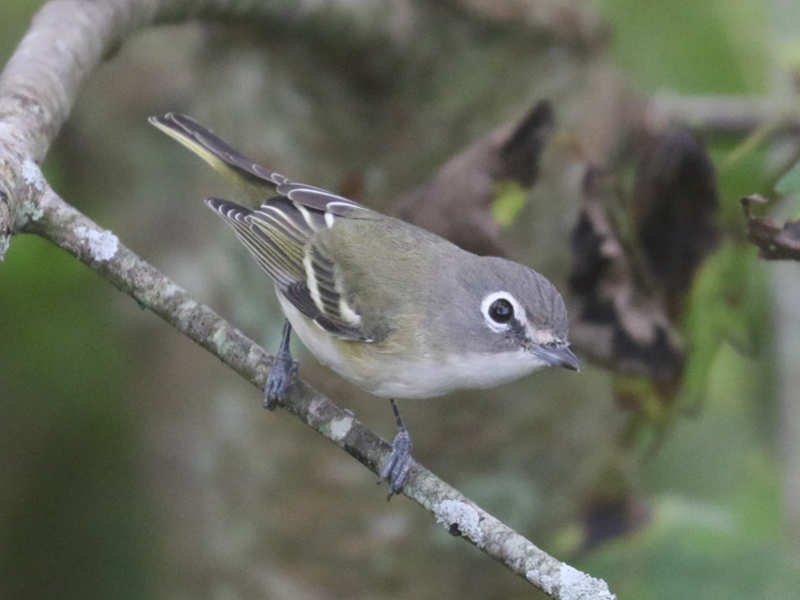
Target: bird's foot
[[395, 471], [281, 375]]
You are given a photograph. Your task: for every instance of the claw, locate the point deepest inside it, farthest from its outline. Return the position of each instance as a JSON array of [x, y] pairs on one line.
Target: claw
[[283, 372], [395, 471]]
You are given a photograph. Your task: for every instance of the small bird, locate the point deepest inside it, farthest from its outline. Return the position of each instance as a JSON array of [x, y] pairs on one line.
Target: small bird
[[399, 311]]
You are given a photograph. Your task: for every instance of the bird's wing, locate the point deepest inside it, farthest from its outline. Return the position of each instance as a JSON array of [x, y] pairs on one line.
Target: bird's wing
[[282, 237], [282, 233]]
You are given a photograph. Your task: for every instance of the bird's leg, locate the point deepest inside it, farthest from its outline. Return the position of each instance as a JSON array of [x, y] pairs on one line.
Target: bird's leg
[[283, 370], [395, 471]]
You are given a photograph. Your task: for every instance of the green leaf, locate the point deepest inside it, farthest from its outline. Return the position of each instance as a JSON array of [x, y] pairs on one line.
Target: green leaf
[[790, 182]]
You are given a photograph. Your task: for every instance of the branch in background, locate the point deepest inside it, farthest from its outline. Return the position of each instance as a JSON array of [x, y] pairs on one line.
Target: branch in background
[[37, 91], [775, 241], [456, 202], [572, 23], [721, 114]]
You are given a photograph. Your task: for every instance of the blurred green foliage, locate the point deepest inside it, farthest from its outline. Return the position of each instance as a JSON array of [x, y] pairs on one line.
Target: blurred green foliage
[[16, 15], [789, 183], [69, 444], [712, 47]]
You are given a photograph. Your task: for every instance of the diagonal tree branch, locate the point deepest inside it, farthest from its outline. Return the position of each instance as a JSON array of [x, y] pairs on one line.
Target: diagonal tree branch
[[101, 250], [38, 88]]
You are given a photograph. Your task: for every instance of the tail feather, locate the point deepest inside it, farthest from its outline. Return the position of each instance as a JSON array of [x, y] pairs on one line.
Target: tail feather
[[214, 150]]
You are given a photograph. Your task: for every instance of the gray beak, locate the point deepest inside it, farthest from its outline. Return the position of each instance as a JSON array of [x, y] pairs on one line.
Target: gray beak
[[557, 356]]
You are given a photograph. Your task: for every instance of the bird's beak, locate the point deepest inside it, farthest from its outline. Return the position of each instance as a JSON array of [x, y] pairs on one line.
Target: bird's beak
[[558, 356]]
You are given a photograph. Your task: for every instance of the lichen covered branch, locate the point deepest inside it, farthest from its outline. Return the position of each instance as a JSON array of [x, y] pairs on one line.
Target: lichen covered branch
[[101, 250]]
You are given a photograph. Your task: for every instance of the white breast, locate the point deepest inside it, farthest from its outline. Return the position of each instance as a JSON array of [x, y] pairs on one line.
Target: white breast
[[384, 374]]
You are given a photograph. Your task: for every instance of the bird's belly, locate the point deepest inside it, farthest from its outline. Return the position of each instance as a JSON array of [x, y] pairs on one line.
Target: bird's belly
[[384, 373], [433, 377]]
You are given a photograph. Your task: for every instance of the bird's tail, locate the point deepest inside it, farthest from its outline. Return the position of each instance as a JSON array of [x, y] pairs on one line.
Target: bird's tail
[[215, 151]]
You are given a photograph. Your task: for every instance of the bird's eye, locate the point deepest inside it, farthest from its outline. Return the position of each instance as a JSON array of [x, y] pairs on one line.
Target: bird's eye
[[501, 310]]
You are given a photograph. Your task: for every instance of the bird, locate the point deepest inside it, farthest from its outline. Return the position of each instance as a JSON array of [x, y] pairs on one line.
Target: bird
[[399, 311]]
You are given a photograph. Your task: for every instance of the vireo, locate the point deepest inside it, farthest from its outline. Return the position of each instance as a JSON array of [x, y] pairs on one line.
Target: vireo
[[400, 311]]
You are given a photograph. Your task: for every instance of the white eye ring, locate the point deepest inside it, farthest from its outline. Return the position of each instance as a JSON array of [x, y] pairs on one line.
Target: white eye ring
[[486, 303]]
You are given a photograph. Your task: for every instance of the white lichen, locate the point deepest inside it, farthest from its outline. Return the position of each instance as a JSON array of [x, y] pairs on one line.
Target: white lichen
[[103, 245], [545, 582], [220, 339], [452, 513], [254, 355], [29, 211], [187, 306], [340, 428], [128, 262], [169, 290], [32, 174], [571, 584], [314, 408], [185, 313]]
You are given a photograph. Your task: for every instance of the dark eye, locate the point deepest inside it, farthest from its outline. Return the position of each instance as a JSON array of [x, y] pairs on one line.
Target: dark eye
[[501, 310]]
